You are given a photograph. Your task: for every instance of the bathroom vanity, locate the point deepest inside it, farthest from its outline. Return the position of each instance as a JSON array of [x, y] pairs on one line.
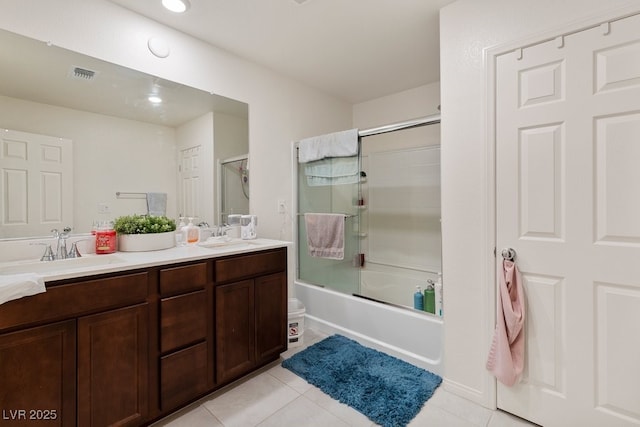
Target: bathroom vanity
[[131, 341]]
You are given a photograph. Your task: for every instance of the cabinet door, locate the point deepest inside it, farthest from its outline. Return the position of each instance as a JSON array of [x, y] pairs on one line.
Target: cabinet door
[[38, 376], [271, 316], [113, 367], [235, 339], [183, 375], [183, 320]]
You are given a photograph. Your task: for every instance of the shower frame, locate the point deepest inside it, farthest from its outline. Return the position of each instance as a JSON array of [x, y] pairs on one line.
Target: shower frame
[[408, 124]]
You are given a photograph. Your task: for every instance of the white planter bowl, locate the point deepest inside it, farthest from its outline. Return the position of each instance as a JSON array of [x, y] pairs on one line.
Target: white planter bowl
[[146, 242]]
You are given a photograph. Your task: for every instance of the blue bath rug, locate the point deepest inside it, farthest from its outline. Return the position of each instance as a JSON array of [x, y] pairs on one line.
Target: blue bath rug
[[387, 390]]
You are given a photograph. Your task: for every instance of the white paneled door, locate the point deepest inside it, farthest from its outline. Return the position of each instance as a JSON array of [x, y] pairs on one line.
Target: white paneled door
[[568, 202], [36, 178], [190, 178]]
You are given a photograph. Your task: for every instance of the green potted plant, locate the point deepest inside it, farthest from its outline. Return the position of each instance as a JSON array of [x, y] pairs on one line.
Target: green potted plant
[[138, 233]]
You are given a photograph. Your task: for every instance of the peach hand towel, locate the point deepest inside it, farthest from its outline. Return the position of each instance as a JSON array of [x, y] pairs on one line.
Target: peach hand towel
[[325, 235], [506, 357]]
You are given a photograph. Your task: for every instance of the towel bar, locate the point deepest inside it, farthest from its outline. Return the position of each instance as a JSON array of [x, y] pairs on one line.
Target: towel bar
[[130, 195], [345, 215]]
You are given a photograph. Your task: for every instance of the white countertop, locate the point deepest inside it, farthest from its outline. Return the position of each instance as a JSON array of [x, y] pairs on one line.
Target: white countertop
[[92, 264]]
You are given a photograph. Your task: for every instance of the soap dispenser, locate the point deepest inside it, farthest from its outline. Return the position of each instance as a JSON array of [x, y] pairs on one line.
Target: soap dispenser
[[192, 232]]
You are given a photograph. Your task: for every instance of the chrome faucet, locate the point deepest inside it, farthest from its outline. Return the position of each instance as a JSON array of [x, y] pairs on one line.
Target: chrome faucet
[[73, 251], [48, 254], [61, 246], [214, 230], [221, 230]]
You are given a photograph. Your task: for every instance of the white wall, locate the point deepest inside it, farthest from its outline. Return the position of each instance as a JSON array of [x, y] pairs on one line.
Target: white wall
[[409, 104], [467, 28], [231, 136], [109, 155]]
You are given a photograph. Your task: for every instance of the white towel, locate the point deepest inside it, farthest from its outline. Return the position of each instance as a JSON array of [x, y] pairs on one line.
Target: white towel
[[14, 286], [157, 204], [331, 168], [338, 144], [325, 235], [334, 171], [321, 181]]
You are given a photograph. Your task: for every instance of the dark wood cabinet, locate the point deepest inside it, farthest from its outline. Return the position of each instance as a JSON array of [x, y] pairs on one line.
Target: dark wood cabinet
[[131, 347], [271, 316], [185, 356], [183, 375], [88, 363], [235, 330], [38, 376], [183, 320], [113, 367], [251, 313]]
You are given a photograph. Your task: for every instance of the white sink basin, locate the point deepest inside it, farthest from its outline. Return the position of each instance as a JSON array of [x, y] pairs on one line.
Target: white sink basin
[[44, 267], [220, 243]]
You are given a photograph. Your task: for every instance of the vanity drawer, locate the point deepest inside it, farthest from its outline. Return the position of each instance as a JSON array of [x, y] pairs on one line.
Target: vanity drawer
[[245, 266], [72, 299], [183, 376], [183, 320], [182, 279]]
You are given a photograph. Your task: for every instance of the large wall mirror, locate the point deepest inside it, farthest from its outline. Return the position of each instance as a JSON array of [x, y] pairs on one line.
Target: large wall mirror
[[82, 142]]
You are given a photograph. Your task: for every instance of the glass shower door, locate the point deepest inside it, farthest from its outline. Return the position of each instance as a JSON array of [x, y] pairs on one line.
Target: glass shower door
[[340, 275]]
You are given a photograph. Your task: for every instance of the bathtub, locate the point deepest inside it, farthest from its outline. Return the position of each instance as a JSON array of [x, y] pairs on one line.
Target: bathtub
[[414, 337]]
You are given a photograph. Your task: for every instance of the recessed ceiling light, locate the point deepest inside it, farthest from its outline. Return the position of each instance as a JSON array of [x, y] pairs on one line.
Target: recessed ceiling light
[[177, 6], [155, 99]]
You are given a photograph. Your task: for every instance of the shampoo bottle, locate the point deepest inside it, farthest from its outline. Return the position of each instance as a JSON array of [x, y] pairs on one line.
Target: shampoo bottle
[[418, 299], [429, 299], [438, 292]]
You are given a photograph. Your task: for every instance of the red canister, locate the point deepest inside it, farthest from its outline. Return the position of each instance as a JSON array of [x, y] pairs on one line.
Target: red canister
[[105, 240]]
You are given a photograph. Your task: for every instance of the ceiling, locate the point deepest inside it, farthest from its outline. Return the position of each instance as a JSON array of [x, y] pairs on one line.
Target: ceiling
[[356, 50], [35, 71]]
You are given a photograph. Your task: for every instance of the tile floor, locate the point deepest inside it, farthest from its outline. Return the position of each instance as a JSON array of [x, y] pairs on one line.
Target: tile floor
[[274, 396]]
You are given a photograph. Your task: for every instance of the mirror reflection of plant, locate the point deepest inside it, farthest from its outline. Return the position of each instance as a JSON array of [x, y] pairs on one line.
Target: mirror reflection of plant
[[143, 224]]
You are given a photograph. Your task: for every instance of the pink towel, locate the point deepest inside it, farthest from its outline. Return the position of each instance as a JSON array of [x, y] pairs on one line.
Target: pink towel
[[325, 235], [506, 357]]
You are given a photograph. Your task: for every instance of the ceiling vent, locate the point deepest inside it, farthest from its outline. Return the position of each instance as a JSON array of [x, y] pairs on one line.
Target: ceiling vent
[[82, 73]]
